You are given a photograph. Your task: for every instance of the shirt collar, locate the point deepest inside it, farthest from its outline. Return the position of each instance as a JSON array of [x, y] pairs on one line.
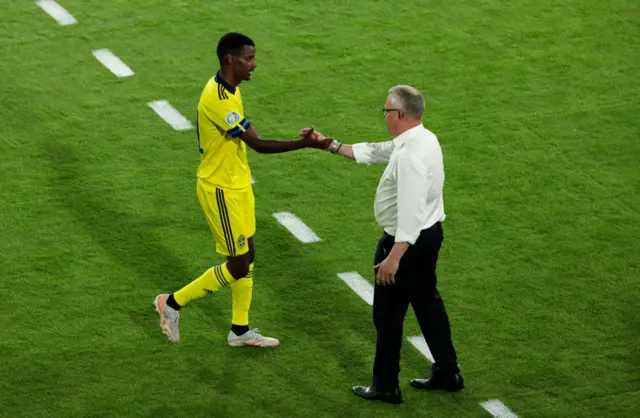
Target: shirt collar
[[403, 137], [224, 84]]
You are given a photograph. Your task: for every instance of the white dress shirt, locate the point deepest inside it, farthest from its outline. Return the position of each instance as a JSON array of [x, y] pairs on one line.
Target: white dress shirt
[[409, 196]]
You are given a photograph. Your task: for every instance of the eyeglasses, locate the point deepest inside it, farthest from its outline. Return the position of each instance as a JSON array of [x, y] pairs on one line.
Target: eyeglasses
[[385, 111]]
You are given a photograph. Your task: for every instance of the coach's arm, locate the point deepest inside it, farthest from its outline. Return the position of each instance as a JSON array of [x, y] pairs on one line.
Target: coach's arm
[[363, 153]]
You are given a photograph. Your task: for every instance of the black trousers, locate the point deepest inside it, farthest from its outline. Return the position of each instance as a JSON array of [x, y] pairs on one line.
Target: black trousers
[[415, 284]]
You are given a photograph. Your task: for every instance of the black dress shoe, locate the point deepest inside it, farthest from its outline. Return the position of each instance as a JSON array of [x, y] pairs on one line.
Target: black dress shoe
[[439, 381], [370, 393]]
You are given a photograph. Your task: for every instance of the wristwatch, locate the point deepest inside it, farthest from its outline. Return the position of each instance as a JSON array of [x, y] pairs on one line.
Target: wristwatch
[[335, 146]]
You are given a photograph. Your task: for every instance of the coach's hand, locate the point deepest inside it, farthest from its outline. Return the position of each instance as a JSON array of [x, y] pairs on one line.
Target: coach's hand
[[314, 139], [315, 134], [386, 271]]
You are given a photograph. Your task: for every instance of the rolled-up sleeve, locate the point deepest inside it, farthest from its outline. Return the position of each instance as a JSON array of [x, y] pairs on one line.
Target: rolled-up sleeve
[[373, 153], [412, 179]]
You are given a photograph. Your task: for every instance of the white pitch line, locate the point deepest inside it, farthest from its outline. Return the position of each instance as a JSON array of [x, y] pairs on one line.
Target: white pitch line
[[296, 227], [170, 115], [113, 63], [358, 284], [498, 409], [57, 12], [253, 181], [420, 343]]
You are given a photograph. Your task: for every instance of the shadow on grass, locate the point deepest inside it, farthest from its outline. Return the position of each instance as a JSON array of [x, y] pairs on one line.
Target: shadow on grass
[[126, 238]]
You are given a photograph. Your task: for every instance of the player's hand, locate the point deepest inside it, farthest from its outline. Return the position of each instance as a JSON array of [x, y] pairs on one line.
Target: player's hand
[[386, 271], [314, 139], [315, 134]]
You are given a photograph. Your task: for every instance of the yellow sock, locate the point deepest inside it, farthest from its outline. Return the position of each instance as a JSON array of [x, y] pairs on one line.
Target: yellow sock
[[211, 281], [241, 292]]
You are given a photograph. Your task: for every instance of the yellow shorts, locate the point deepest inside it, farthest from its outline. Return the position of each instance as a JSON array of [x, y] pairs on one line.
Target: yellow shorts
[[231, 216]]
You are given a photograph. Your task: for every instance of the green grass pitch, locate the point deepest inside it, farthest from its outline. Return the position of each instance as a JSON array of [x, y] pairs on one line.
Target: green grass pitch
[[536, 105]]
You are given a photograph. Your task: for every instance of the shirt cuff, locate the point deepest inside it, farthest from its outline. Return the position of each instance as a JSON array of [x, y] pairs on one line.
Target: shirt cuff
[[361, 153], [238, 129], [402, 236]]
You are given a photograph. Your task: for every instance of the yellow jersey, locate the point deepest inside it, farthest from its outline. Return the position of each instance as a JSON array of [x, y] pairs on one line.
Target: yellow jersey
[[219, 123]]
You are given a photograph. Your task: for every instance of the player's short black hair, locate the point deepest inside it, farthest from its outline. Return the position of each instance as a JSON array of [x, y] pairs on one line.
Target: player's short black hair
[[232, 43]]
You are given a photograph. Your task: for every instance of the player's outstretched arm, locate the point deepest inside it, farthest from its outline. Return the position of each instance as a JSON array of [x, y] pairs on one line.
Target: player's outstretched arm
[[271, 146]]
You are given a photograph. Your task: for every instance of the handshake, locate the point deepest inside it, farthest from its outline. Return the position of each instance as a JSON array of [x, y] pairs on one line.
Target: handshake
[[315, 139]]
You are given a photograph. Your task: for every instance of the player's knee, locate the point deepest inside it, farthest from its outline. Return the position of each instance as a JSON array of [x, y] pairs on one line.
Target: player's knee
[[238, 271], [238, 266]]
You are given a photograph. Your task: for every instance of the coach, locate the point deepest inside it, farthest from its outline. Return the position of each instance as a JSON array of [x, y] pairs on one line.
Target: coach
[[409, 207]]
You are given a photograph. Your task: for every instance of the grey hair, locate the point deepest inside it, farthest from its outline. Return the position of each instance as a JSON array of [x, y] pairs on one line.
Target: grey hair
[[408, 99]]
